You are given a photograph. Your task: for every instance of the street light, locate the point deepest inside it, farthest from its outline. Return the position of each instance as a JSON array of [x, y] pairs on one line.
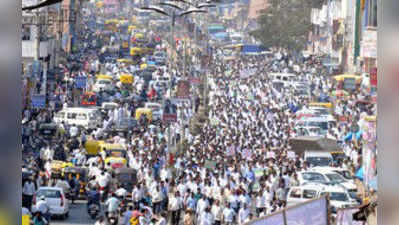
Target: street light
[[173, 15]]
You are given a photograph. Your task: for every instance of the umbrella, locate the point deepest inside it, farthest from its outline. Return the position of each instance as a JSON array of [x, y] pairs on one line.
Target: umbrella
[[340, 93]]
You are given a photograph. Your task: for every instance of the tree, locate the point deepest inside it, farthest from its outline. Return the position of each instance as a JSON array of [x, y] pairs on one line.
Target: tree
[[285, 23]]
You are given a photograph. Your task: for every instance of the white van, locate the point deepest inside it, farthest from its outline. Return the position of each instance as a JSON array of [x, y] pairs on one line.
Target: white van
[[89, 118]]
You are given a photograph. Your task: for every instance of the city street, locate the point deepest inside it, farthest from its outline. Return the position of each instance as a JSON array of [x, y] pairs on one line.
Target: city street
[[200, 112]]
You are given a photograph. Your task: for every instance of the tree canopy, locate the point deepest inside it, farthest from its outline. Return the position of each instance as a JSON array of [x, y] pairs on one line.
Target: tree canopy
[[285, 23]]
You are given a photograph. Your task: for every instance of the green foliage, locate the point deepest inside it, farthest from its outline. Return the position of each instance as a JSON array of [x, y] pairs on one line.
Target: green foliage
[[285, 23]]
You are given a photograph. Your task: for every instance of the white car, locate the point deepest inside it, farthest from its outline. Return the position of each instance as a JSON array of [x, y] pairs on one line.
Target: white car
[[55, 199], [339, 196], [321, 176], [102, 84]]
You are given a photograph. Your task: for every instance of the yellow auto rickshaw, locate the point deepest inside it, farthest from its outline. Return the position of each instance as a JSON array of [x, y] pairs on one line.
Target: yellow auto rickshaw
[[57, 167], [126, 79], [81, 175], [114, 155], [144, 111], [103, 76], [131, 28], [93, 147], [328, 105], [143, 66], [134, 51], [348, 82], [125, 61]]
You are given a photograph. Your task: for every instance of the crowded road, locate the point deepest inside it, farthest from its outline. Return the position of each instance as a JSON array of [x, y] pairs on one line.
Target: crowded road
[[194, 125]]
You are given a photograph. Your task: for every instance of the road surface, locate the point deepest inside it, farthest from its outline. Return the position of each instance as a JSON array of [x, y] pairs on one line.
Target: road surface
[[77, 215]]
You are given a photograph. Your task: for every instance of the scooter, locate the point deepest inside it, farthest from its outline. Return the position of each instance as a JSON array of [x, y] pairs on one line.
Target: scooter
[[93, 211]]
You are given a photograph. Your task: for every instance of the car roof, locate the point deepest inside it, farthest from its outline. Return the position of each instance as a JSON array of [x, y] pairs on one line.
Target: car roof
[[327, 169], [315, 153]]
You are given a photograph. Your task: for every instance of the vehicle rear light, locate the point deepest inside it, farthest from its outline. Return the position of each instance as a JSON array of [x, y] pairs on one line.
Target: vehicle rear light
[[102, 188], [34, 199], [62, 200]]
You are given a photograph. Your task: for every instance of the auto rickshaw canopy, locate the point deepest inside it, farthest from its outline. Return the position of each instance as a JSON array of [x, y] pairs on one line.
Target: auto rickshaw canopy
[[146, 111]]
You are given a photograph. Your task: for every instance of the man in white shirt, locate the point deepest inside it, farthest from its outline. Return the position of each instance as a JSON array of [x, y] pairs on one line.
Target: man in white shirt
[[206, 217], [243, 214], [217, 212], [28, 191], [112, 204], [175, 206], [228, 215]]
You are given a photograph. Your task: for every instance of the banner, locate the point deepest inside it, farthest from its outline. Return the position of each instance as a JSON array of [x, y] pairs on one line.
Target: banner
[[273, 219], [310, 213], [369, 44], [345, 217], [169, 112], [80, 82], [183, 89], [38, 101]]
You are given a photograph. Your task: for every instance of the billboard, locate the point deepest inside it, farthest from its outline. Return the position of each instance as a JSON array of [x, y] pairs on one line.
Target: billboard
[[345, 217], [169, 112], [38, 101], [183, 89], [310, 213], [313, 212]]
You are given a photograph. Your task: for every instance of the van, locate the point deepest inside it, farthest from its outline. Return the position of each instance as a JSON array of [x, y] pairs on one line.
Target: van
[[322, 122], [316, 158], [88, 118]]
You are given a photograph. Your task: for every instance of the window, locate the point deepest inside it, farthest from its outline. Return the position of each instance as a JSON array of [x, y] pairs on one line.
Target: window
[[335, 177], [71, 115], [49, 193], [309, 194], [26, 32], [81, 116], [338, 196], [313, 177], [295, 193]]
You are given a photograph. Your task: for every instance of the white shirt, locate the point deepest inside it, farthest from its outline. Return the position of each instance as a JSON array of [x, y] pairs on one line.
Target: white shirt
[[217, 212], [42, 206], [206, 218], [228, 215], [121, 192], [29, 188]]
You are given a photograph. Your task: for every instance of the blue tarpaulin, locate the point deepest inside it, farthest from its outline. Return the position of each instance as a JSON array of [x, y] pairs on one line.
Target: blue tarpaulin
[[359, 173], [358, 135], [252, 49]]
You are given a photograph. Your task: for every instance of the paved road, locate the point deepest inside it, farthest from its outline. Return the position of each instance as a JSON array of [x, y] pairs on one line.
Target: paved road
[[77, 215]]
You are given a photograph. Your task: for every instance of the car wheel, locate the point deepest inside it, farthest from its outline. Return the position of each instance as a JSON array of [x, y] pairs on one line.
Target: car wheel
[[65, 216]]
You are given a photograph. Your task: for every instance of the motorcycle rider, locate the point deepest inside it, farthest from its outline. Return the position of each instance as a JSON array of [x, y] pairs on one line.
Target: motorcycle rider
[[93, 198]]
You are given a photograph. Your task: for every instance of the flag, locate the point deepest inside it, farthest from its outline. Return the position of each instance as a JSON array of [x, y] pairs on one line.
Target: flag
[[231, 151], [246, 153]]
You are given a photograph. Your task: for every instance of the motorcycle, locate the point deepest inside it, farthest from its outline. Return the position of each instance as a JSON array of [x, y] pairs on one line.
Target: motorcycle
[[94, 210]]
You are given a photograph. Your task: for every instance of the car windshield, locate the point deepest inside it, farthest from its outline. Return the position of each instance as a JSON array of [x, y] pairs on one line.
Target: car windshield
[[313, 177], [338, 196], [49, 193], [335, 177], [104, 82], [318, 161], [322, 125]]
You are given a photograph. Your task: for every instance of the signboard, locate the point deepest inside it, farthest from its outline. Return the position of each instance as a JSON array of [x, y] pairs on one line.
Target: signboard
[[38, 101], [345, 217], [194, 80], [36, 69], [273, 219], [270, 155], [373, 77], [183, 89], [290, 154], [310, 213], [80, 82], [369, 44], [209, 164], [169, 112]]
